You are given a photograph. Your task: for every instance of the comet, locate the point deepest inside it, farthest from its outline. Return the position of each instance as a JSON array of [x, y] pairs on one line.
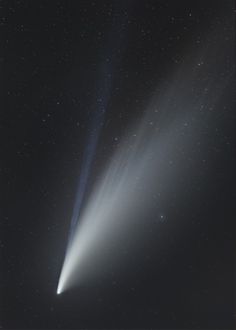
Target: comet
[[149, 161]]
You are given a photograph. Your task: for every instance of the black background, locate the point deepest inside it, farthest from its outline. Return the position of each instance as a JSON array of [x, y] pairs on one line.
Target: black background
[[51, 51]]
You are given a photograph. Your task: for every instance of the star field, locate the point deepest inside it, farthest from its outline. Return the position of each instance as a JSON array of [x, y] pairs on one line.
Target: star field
[[146, 89]]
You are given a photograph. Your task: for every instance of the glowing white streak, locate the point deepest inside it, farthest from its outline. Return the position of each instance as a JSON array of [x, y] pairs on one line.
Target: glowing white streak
[[140, 168]]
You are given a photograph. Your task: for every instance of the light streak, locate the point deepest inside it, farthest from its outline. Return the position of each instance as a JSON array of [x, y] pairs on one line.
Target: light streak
[[142, 167]]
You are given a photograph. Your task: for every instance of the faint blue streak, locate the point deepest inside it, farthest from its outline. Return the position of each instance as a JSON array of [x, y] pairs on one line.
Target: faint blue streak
[[103, 96], [107, 67]]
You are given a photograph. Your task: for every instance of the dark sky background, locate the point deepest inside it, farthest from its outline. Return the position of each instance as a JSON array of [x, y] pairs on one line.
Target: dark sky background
[[52, 67]]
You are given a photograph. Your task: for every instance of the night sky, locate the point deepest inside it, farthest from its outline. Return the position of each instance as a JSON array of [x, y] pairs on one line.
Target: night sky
[[81, 82]]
